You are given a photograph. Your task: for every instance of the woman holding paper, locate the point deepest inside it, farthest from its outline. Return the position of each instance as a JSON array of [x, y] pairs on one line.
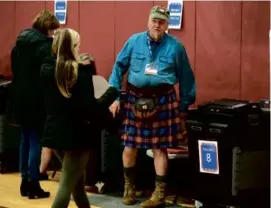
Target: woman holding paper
[[72, 112]]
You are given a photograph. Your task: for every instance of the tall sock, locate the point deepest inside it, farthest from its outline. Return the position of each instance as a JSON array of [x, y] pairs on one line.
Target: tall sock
[[129, 171], [161, 178]]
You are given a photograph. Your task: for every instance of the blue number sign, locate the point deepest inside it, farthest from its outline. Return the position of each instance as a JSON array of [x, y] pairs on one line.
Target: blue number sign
[[208, 157]]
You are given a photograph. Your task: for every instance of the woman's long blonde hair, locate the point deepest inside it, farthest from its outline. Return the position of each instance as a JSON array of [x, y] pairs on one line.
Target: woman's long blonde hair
[[66, 71]]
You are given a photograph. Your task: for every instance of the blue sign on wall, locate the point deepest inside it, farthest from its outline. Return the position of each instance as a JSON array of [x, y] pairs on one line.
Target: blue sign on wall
[[174, 20], [60, 5], [61, 16], [208, 157], [61, 10], [175, 8]]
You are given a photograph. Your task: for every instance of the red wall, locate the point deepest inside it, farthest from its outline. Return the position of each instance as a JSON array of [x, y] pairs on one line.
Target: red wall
[[227, 42]]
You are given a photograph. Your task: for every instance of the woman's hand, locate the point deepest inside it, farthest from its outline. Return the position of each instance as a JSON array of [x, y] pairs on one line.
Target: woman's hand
[[85, 62], [86, 59]]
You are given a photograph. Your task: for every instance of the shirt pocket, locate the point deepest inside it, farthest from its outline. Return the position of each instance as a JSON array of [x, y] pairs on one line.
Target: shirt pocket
[[166, 64], [137, 62]]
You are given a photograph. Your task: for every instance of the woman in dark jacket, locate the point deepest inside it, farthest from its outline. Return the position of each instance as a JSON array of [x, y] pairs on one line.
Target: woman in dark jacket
[[31, 48], [72, 114]]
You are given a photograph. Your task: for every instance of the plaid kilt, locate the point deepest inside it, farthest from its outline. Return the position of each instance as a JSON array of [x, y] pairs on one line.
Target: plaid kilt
[[164, 132]]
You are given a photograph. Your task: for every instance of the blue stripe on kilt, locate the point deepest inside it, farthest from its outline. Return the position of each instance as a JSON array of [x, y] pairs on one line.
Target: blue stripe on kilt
[[163, 133]]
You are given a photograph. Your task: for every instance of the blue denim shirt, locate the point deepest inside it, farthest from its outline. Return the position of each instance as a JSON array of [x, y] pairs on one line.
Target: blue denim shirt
[[169, 58]]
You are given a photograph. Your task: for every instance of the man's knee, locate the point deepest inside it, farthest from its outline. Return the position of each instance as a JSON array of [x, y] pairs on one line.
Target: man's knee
[[159, 152], [130, 152]]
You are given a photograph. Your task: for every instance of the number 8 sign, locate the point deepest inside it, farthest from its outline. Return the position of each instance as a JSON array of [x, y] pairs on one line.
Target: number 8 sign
[[208, 157]]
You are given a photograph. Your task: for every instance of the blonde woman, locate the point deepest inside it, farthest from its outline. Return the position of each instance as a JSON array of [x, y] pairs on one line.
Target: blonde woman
[[72, 112]]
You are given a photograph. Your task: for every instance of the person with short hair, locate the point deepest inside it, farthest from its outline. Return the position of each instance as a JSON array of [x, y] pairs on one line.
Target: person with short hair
[[31, 47], [153, 118]]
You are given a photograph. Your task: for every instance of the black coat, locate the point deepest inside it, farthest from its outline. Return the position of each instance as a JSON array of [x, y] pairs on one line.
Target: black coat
[[71, 123], [27, 56]]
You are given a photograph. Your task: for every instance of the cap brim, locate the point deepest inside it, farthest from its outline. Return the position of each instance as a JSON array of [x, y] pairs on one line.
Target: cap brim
[[157, 15]]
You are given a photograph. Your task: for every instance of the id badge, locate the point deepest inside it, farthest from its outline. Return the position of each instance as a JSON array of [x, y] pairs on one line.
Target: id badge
[[151, 69]]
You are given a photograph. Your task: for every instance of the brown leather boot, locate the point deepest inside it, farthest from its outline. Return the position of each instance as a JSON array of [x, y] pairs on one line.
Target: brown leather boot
[[158, 198], [129, 190]]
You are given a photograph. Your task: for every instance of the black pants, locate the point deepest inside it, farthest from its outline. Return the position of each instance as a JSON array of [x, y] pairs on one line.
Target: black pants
[[93, 168]]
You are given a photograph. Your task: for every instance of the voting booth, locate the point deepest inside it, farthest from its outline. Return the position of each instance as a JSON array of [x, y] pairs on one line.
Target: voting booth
[[229, 151], [3, 112], [9, 132]]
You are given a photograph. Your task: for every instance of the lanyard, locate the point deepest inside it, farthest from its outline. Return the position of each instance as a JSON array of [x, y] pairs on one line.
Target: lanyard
[[149, 46]]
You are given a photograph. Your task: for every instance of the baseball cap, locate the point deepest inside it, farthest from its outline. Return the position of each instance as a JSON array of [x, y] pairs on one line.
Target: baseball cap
[[159, 12]]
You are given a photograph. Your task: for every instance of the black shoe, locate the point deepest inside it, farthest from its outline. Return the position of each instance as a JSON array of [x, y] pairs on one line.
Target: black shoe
[[24, 187], [35, 191], [43, 177]]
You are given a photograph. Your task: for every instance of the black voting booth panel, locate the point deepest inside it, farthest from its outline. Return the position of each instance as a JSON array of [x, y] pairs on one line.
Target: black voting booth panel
[[9, 131], [240, 169], [3, 110]]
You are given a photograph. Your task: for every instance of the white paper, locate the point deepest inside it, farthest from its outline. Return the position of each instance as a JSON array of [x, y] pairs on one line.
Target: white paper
[[61, 10], [100, 85], [4, 82], [175, 7]]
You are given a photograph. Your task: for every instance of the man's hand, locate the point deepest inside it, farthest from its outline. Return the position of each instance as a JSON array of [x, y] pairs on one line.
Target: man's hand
[[115, 107], [183, 128]]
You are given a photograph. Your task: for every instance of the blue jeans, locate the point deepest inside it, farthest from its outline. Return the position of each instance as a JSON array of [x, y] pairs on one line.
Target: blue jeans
[[30, 154]]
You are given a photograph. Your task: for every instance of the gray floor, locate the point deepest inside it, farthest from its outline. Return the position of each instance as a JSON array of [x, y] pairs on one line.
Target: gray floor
[[106, 201]]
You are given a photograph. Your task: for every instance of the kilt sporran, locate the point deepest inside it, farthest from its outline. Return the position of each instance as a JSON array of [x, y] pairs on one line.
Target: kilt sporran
[[145, 108]]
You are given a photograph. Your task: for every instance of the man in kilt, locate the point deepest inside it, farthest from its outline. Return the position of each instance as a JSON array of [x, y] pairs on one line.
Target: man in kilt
[[153, 118]]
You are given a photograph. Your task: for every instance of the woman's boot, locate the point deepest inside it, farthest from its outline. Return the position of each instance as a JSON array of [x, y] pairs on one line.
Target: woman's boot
[[24, 187], [35, 191]]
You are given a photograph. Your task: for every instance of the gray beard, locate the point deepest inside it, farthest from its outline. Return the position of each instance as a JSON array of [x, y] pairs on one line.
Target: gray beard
[[156, 38]]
